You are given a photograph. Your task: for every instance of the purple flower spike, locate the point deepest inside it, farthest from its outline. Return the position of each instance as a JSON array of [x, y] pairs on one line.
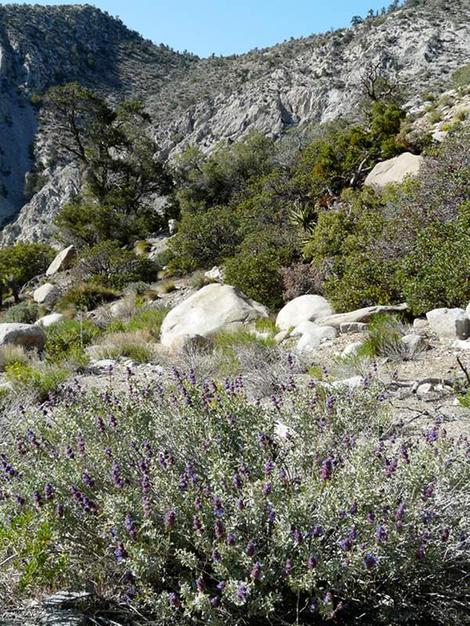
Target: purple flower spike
[[267, 489], [242, 592], [130, 527], [174, 600], [216, 556], [237, 481], [255, 573], [346, 544], [215, 602], [326, 469], [370, 561], [250, 548], [312, 562], [231, 539], [200, 585], [288, 567], [120, 552], [219, 529], [420, 552], [169, 519], [116, 475], [88, 480], [218, 508], [317, 531], [381, 534], [49, 491], [400, 512]]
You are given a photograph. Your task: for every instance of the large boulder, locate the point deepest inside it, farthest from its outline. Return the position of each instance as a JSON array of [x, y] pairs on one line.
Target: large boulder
[[63, 261], [360, 315], [449, 324], [394, 170], [209, 310], [306, 308], [46, 294], [29, 336]]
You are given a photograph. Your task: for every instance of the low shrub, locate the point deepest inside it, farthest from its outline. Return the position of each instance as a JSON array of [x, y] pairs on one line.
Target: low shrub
[[67, 340], [195, 506], [41, 380], [136, 346], [12, 355], [430, 276], [149, 319], [22, 313], [86, 297], [300, 279], [258, 275], [199, 280], [229, 340], [110, 265], [384, 338], [461, 77]]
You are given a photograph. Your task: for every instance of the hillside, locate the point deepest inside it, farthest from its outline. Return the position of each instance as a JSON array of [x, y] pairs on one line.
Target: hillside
[[203, 101], [45, 46]]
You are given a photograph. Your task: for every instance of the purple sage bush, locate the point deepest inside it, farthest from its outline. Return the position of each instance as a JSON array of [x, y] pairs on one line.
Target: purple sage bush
[[194, 506]]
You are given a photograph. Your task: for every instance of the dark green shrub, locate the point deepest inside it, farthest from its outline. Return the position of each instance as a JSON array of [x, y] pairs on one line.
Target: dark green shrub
[[437, 272], [256, 269], [86, 297], [112, 266], [364, 281], [204, 239], [20, 263]]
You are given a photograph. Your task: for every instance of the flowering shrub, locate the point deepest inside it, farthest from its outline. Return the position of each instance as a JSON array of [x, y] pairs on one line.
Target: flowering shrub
[[195, 506]]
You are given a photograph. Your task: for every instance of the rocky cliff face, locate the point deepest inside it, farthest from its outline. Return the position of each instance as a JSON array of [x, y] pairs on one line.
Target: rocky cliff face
[[202, 101]]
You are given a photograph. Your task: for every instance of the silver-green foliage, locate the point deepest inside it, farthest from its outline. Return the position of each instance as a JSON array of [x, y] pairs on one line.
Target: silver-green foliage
[[199, 507]]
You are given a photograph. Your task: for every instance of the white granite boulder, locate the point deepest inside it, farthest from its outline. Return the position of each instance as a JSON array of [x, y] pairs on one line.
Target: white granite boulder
[[46, 294], [306, 308], [394, 170], [312, 336], [50, 320], [63, 261], [209, 310], [449, 324]]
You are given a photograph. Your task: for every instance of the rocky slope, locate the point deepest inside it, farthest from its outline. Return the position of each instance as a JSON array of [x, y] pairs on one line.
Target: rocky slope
[[202, 101]]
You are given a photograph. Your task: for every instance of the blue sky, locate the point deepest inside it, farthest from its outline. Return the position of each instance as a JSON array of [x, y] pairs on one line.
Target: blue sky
[[229, 26]]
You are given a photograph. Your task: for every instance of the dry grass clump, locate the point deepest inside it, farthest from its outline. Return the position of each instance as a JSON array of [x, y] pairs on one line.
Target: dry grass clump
[[136, 346], [12, 355]]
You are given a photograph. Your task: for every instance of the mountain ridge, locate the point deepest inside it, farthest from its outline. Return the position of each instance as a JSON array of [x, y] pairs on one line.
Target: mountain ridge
[[202, 101]]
